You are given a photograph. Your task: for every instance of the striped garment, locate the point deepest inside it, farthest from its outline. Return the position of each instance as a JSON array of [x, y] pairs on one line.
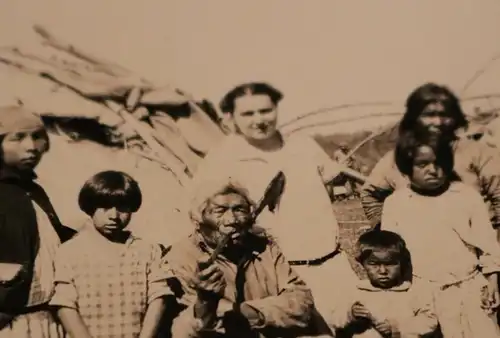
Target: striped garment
[[39, 324]]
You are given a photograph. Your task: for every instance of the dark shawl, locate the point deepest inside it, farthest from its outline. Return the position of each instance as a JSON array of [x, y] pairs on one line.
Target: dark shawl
[[19, 238]]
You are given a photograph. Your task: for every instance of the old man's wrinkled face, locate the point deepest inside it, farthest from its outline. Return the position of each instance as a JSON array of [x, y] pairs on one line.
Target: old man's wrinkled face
[[224, 214]]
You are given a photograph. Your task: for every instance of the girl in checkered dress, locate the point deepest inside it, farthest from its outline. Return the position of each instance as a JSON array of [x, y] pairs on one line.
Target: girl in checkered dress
[[108, 282]]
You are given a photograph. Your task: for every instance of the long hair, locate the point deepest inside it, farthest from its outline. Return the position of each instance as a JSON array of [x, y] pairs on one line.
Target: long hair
[[423, 96]]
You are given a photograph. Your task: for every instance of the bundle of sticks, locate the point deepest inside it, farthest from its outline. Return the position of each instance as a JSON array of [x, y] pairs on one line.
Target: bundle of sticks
[[128, 96]]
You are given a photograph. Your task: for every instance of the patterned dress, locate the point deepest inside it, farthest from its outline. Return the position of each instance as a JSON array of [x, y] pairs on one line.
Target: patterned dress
[[111, 286]]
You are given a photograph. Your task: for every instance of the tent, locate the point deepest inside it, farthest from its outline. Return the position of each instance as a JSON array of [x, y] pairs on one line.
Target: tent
[[102, 116], [370, 141]]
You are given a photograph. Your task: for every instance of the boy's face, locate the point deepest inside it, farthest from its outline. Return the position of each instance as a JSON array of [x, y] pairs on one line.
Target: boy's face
[[255, 117], [111, 221], [23, 150], [383, 269], [426, 173]]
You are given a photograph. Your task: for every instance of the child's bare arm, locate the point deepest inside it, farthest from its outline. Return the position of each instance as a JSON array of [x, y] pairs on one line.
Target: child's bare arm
[[73, 323], [152, 319]]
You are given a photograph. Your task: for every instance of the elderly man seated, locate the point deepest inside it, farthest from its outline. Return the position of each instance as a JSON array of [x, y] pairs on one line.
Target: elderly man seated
[[249, 290]]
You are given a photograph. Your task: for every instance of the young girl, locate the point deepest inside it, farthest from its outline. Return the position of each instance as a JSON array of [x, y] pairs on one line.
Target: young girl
[[388, 304], [30, 230], [448, 231], [109, 283]]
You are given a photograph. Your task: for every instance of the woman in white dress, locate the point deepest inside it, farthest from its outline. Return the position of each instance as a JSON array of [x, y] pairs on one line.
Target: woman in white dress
[[304, 224]]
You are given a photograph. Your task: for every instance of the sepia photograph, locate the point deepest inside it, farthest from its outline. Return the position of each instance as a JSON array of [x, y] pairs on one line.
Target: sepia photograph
[[253, 169]]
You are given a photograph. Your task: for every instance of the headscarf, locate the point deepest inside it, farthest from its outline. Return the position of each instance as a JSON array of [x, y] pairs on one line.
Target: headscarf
[[18, 119], [202, 191]]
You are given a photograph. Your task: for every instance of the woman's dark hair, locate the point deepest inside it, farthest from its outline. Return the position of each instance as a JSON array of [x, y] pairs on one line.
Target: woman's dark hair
[[423, 96], [384, 240], [253, 88], [407, 147], [109, 189]]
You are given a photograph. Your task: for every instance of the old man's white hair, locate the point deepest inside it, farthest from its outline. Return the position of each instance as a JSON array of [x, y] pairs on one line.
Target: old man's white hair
[[202, 191]]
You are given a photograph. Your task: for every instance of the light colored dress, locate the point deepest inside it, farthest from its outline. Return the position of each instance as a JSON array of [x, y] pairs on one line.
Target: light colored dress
[[304, 225], [110, 286], [444, 235], [39, 324], [408, 308]]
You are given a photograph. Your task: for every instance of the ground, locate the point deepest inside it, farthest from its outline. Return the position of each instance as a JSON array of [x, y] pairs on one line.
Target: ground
[[353, 223]]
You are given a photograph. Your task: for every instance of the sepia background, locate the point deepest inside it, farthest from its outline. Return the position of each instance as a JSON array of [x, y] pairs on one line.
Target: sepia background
[[321, 54]]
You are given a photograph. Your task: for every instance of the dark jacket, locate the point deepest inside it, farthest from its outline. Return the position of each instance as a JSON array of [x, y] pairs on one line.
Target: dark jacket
[[19, 238]]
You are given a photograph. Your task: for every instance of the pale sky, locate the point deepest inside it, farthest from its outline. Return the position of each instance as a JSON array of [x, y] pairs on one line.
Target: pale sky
[[319, 52]]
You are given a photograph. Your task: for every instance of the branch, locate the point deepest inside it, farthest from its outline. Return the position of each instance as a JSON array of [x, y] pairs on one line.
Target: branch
[[59, 44], [330, 109]]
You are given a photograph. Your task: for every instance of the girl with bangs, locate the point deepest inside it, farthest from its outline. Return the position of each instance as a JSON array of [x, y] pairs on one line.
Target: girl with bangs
[[108, 282]]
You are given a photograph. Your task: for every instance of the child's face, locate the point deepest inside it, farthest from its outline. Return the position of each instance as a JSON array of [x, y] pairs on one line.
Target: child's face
[[426, 173], [24, 150], [383, 269], [111, 221]]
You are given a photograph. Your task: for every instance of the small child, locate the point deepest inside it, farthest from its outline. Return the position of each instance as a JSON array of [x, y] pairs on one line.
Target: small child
[[108, 282], [388, 304], [448, 231]]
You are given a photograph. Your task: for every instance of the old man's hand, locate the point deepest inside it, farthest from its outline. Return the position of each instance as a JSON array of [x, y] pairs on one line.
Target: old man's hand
[[209, 280], [209, 284]]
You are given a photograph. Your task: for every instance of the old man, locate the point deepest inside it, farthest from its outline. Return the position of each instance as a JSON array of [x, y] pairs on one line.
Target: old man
[[249, 290]]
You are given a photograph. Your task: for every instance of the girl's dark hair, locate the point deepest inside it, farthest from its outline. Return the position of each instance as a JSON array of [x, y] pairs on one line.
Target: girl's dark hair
[[407, 147], [423, 96], [109, 189], [254, 88], [383, 240]]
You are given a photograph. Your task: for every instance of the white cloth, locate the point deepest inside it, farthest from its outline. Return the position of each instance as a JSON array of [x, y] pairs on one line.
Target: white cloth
[[444, 233], [458, 308], [304, 225], [43, 286], [409, 308], [328, 280]]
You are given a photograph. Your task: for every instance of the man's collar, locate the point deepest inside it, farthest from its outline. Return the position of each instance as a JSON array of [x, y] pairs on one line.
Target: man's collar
[[366, 285]]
